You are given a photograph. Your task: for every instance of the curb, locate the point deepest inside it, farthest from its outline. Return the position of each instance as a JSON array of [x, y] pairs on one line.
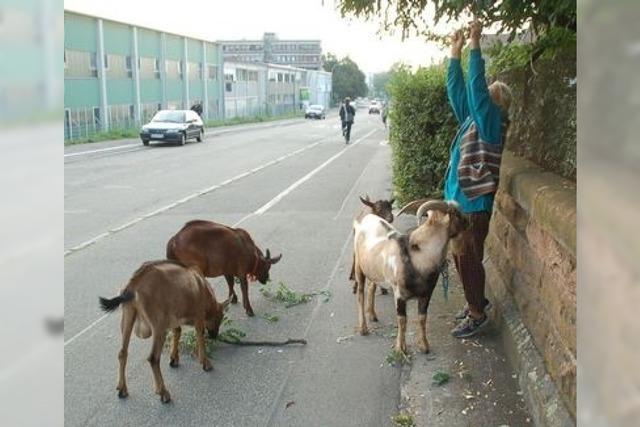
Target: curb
[[540, 392]]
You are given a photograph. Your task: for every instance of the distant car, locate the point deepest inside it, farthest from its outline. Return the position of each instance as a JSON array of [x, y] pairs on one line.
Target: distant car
[[374, 107], [173, 126], [315, 112]]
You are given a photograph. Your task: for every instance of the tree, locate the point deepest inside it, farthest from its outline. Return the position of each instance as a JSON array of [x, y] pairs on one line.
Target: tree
[[347, 79], [508, 15]]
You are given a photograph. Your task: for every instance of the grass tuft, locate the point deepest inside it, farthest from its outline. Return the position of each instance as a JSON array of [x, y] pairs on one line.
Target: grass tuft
[[403, 419], [287, 296]]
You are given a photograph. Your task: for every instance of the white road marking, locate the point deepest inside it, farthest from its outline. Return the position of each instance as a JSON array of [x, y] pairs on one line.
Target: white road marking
[[308, 176], [70, 340], [119, 147], [260, 211], [186, 199]]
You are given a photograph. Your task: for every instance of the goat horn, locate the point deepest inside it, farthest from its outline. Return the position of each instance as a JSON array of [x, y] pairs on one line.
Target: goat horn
[[412, 207], [432, 205]]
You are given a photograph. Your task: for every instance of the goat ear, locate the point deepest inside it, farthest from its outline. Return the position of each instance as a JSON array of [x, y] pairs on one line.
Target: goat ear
[[275, 259], [366, 201]]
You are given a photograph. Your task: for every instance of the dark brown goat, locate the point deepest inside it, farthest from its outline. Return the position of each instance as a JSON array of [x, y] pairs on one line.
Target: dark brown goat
[[381, 208], [217, 250], [162, 295]]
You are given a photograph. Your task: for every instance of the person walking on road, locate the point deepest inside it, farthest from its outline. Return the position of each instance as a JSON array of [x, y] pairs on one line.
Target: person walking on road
[[347, 113], [474, 167]]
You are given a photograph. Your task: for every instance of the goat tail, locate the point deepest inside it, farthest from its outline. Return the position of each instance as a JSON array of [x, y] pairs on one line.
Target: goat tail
[[109, 305]]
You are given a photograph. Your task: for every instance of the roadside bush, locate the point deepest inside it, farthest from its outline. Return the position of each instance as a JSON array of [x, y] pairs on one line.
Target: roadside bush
[[422, 128]]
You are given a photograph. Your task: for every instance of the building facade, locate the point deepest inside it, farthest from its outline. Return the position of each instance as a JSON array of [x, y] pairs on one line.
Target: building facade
[[306, 54], [253, 89], [118, 75]]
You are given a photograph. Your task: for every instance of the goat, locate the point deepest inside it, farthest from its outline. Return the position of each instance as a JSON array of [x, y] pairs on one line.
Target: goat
[[381, 208], [408, 262], [217, 250], [162, 295]]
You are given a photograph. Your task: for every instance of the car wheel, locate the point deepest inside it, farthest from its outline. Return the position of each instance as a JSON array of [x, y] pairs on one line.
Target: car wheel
[[200, 136], [145, 142], [183, 138]]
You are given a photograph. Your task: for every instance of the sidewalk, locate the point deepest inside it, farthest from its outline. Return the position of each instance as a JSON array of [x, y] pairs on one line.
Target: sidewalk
[[482, 389]]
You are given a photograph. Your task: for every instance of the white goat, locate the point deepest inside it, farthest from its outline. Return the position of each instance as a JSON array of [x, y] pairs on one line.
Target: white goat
[[408, 262]]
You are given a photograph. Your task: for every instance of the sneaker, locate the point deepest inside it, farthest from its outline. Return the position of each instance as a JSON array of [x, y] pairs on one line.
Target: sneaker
[[469, 327], [465, 311]]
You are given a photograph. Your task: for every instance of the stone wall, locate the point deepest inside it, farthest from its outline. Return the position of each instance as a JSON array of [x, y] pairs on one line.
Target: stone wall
[[531, 268]]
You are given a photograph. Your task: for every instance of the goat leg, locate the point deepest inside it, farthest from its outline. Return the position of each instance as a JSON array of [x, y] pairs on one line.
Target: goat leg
[[126, 326], [371, 302], [362, 321], [423, 344], [244, 287], [175, 354], [202, 356], [401, 311], [154, 360], [232, 294]]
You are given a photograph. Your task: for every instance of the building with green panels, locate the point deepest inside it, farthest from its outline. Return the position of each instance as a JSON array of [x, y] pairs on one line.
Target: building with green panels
[[118, 75]]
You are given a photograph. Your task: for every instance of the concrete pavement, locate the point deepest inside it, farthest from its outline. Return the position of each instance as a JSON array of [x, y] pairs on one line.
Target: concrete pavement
[[294, 188]]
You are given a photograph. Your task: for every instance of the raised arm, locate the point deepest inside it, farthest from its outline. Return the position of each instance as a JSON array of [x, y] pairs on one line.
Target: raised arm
[[455, 79], [486, 114]]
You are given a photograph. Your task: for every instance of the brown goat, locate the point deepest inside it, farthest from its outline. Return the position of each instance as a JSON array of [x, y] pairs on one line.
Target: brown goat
[[217, 250], [381, 208], [408, 262], [162, 295]]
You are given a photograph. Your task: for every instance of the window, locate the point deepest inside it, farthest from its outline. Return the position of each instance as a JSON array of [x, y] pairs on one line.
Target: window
[[228, 86], [280, 79], [286, 78], [213, 72], [65, 59], [93, 58], [180, 69], [156, 67], [106, 61], [132, 112], [96, 117], [128, 64]]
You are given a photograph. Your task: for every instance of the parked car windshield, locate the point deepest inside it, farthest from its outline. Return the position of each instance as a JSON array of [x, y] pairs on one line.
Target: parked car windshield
[[316, 107], [169, 116]]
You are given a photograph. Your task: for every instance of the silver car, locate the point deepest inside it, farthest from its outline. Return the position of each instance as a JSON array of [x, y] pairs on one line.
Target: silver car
[[173, 126]]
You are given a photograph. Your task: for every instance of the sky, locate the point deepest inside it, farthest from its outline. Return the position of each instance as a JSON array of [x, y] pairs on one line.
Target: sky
[[249, 19]]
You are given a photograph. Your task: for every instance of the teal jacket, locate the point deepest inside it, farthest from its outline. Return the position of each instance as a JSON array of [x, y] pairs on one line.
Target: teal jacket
[[471, 103]]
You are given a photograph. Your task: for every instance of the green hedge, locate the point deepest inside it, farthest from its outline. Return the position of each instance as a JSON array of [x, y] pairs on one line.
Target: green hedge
[[422, 127]]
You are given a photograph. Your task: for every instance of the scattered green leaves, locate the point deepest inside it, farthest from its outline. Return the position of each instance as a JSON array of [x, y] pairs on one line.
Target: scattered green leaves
[[403, 419], [271, 317], [396, 357], [440, 378]]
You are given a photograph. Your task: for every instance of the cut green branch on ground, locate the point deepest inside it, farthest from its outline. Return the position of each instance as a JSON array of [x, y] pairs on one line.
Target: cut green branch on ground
[[272, 318], [289, 297]]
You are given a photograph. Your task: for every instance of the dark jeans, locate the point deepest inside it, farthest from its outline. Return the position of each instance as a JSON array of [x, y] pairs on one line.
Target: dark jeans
[[468, 251], [346, 130]]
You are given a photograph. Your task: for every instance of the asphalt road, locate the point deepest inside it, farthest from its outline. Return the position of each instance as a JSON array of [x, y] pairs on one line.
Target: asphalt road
[[294, 187]]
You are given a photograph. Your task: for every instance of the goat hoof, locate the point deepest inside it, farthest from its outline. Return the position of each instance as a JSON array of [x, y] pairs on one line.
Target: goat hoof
[[234, 299], [123, 394], [207, 367], [173, 363], [423, 347], [364, 331], [250, 313], [373, 318], [165, 397]]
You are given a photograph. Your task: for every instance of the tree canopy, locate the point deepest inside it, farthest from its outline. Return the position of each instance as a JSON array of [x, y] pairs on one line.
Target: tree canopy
[[409, 16], [347, 80]]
